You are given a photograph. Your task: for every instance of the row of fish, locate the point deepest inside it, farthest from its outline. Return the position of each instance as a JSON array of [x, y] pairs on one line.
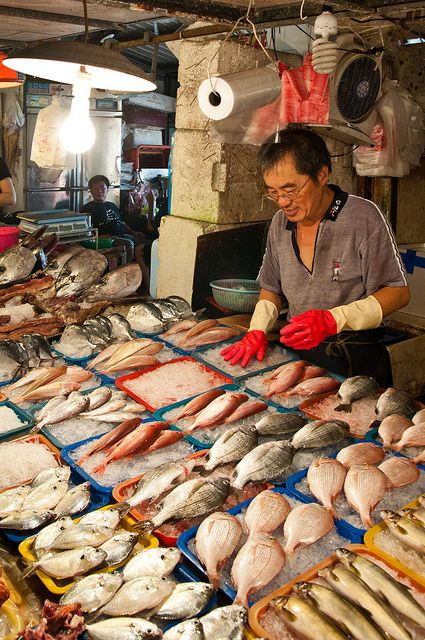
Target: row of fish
[[83, 340], [18, 357], [355, 598], [261, 557], [408, 525], [400, 433], [134, 354], [190, 333], [156, 315], [44, 383], [298, 378]]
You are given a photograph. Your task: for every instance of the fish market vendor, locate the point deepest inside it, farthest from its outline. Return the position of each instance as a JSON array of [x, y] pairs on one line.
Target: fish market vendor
[[331, 259]]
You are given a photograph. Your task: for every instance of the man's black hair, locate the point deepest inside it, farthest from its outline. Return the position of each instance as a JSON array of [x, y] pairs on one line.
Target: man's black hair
[[307, 148], [99, 178]]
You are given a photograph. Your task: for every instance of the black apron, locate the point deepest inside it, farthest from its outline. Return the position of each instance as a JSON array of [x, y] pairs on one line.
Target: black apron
[[353, 353]]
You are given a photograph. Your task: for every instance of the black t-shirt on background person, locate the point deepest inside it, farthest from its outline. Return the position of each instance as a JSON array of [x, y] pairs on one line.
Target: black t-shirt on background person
[[106, 217]]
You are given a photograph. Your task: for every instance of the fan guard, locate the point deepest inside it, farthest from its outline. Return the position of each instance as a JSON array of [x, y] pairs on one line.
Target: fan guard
[[357, 86]]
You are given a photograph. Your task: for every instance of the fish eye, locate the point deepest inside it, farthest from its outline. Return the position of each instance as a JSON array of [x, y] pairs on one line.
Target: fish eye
[[162, 556]]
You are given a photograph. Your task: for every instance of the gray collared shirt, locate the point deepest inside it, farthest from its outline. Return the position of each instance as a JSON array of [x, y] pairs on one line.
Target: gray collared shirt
[[355, 255]]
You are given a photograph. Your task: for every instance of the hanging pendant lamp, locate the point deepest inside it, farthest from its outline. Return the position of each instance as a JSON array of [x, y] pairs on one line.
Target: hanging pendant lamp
[[8, 77]]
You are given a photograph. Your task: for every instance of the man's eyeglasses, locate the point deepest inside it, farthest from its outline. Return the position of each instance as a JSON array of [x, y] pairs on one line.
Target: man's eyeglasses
[[275, 196]]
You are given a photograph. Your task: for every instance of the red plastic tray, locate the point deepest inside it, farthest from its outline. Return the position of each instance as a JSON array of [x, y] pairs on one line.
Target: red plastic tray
[[37, 439], [120, 382]]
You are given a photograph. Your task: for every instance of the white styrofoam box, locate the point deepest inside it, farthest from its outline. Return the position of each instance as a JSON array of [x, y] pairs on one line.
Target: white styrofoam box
[[413, 256], [145, 136]]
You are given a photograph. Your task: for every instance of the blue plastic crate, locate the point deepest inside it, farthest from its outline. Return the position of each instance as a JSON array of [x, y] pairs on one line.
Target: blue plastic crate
[[97, 501], [22, 415], [70, 360], [179, 350], [187, 536]]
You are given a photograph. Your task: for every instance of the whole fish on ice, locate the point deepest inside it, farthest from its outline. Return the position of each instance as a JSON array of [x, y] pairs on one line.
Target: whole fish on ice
[[79, 272], [364, 487], [216, 539], [232, 446], [325, 477], [353, 389], [394, 401], [16, 264], [266, 512], [305, 524], [266, 462], [118, 283]]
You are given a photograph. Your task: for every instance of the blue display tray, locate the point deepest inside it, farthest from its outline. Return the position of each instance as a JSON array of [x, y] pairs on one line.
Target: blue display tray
[[184, 538], [22, 415], [69, 359], [97, 501], [180, 350]]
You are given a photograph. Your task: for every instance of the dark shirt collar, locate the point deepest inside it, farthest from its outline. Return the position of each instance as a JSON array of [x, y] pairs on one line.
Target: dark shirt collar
[[338, 201]]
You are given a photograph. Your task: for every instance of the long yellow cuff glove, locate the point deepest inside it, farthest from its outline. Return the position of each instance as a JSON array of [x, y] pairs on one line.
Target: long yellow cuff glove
[[264, 317], [358, 315]]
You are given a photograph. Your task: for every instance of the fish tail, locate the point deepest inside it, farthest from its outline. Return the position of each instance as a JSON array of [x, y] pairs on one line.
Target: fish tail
[[214, 578], [241, 598], [145, 527], [100, 467], [37, 427], [344, 407], [82, 460], [332, 510], [367, 520], [28, 571]]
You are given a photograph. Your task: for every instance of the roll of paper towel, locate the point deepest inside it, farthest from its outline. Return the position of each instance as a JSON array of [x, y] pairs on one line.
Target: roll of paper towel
[[222, 96]]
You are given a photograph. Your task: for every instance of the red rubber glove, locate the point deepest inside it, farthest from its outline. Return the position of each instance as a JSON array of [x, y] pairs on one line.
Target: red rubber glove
[[308, 329], [254, 343]]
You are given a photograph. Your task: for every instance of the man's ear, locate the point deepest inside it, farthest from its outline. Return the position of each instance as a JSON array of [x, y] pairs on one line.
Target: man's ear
[[323, 176]]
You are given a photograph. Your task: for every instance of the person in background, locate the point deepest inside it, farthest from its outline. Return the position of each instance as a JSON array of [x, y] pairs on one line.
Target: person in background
[[331, 259], [106, 217], [7, 190]]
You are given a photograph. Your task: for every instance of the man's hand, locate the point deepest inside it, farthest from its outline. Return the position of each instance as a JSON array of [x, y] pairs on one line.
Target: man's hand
[[254, 343], [308, 329]]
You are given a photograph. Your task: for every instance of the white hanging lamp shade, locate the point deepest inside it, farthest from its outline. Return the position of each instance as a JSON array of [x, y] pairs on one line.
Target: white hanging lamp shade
[[62, 60]]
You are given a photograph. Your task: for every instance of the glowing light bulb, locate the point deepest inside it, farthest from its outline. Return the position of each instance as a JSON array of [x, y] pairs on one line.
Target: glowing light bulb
[[77, 133], [325, 53]]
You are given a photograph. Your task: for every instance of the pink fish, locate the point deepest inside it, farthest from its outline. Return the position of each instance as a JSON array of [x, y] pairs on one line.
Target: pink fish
[[312, 372], [305, 524], [246, 410], [266, 512], [216, 539], [313, 386], [364, 487], [198, 403], [198, 328], [419, 417], [104, 355], [286, 378], [420, 458], [183, 325], [361, 453], [325, 479], [391, 429], [218, 410], [137, 361], [413, 436], [110, 438], [165, 439], [399, 471], [275, 372], [50, 391], [211, 336]]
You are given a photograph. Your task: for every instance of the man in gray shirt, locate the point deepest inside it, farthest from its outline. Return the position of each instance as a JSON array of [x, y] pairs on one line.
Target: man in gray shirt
[[331, 258]]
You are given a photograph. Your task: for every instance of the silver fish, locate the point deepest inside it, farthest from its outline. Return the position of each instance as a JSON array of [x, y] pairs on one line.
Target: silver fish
[[121, 329], [13, 499], [159, 561], [37, 348], [124, 629], [108, 518], [57, 262], [384, 585], [45, 496], [404, 529], [140, 594], [182, 306], [45, 538], [80, 272], [232, 446], [394, 401], [266, 462], [81, 535], [145, 317], [118, 283], [345, 582], [29, 519], [75, 341], [155, 481], [94, 591], [74, 501], [68, 564], [300, 615], [283, 425], [353, 389], [50, 404], [340, 610], [119, 546], [71, 407], [61, 473], [320, 434], [187, 630], [167, 309], [98, 397], [16, 263], [14, 360], [225, 622], [186, 601]]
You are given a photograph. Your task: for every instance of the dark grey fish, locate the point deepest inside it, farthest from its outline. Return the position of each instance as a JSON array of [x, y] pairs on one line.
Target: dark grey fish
[[16, 264], [283, 425], [394, 401], [264, 463], [353, 389], [120, 327], [183, 307], [320, 433], [14, 360], [80, 272], [167, 309], [145, 317], [232, 446]]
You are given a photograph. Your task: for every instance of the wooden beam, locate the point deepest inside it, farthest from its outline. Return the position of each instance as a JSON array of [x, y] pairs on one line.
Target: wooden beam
[[47, 16], [178, 35]]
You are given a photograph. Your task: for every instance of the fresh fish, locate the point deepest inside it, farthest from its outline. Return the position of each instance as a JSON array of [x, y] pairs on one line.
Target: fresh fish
[[313, 386], [145, 317], [283, 425], [399, 471], [264, 463], [114, 404], [61, 473], [94, 591], [121, 329], [217, 410], [108, 518], [57, 262], [413, 436], [361, 453], [136, 441], [44, 539], [216, 539], [49, 391], [416, 514], [159, 562], [118, 283], [266, 512], [138, 595], [99, 397], [246, 410], [28, 378], [394, 401], [167, 309], [198, 403], [115, 416], [158, 479], [305, 524], [182, 325], [165, 439], [191, 499], [182, 306], [75, 374], [420, 458], [364, 487], [232, 446], [45, 496], [199, 328], [25, 520], [187, 630], [325, 477], [115, 435], [187, 600], [339, 610], [79, 272], [382, 583], [119, 547], [103, 356], [73, 406], [210, 336], [225, 622], [346, 583], [353, 389], [68, 564], [16, 264], [124, 629], [13, 499], [256, 564], [405, 530], [37, 348], [312, 372], [138, 361], [81, 535], [391, 429], [287, 378], [76, 341], [301, 616], [419, 417], [13, 360], [48, 375], [320, 433]]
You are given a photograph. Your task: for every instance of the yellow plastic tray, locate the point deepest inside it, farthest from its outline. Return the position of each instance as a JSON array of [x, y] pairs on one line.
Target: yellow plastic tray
[[395, 562], [55, 585], [259, 607]]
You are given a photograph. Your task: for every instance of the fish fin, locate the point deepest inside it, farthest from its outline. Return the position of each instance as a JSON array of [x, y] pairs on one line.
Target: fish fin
[[242, 599], [344, 407], [367, 520], [82, 460], [37, 427], [28, 571], [100, 468], [144, 527]]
